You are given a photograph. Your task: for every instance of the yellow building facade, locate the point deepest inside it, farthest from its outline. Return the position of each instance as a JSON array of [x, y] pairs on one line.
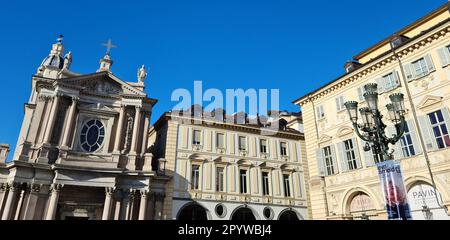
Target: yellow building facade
[[344, 183], [230, 170]]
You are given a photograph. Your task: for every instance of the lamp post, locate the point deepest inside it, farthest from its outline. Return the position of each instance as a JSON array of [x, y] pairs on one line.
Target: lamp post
[[372, 128], [372, 131]]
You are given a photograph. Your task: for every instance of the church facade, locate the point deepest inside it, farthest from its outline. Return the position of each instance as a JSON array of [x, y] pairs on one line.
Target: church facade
[[82, 149]]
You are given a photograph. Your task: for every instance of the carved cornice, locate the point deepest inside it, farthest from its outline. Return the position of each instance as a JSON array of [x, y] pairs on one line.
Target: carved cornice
[[374, 65]]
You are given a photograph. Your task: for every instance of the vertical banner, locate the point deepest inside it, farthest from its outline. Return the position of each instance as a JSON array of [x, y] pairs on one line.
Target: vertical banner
[[393, 187]]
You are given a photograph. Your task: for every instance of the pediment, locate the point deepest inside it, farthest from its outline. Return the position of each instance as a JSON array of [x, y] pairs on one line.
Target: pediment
[[324, 138], [429, 101], [344, 131], [103, 83]]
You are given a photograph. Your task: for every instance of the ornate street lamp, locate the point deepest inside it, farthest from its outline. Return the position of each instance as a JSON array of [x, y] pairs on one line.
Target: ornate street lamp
[[372, 129], [428, 215]]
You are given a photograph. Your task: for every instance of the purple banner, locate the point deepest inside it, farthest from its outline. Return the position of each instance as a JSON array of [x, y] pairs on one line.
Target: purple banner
[[393, 188]]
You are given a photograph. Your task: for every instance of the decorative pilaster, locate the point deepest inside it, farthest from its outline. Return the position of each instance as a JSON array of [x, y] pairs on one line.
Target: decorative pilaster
[[134, 140], [146, 116], [12, 194], [143, 207], [51, 120], [119, 129], [55, 188], [70, 119], [109, 191]]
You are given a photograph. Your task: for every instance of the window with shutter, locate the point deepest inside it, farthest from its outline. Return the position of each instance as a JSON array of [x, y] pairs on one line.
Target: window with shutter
[[409, 71], [220, 140], [361, 92], [425, 127], [440, 129], [406, 142], [320, 112], [350, 155], [196, 137], [340, 103], [242, 143], [328, 161], [444, 56]]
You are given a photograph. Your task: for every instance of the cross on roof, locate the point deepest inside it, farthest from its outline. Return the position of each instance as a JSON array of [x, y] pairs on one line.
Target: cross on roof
[[109, 46], [60, 38]]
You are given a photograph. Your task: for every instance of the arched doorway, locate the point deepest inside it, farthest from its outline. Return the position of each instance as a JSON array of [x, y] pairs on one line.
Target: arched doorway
[[288, 215], [360, 204], [192, 212], [422, 196], [243, 213]]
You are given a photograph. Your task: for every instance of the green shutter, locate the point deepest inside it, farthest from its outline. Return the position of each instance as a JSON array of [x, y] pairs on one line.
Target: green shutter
[[368, 156], [446, 114], [427, 134], [396, 79], [398, 153], [381, 85], [444, 56], [320, 162], [333, 155], [343, 158], [356, 149], [409, 72], [414, 137], [429, 62]]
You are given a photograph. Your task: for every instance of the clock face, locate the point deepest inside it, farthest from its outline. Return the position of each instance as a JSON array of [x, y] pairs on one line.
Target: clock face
[[92, 135]]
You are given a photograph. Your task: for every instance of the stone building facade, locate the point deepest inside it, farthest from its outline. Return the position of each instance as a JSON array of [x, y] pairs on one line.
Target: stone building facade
[[344, 183], [82, 149], [230, 170]]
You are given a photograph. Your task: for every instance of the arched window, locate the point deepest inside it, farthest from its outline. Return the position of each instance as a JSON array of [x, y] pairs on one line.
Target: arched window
[[192, 212]]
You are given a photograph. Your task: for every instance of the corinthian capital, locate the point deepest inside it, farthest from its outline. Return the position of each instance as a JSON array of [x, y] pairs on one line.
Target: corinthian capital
[[56, 187]]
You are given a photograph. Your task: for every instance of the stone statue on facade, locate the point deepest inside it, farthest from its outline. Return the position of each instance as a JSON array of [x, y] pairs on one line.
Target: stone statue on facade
[[142, 74], [67, 60]]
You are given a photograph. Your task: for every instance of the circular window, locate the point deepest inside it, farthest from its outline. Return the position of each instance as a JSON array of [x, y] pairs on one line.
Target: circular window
[[220, 210], [92, 135], [268, 213]]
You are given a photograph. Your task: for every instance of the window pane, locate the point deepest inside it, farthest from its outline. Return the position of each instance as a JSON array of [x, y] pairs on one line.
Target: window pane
[[432, 118], [439, 116]]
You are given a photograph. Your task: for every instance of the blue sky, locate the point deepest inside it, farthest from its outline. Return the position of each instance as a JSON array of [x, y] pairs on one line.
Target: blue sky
[[295, 46]]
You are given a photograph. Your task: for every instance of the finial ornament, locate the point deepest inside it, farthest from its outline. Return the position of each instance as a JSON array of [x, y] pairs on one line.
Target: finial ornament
[[142, 74], [109, 46]]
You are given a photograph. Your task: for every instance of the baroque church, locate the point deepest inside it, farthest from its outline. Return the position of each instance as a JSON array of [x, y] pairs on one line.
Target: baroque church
[[82, 150]]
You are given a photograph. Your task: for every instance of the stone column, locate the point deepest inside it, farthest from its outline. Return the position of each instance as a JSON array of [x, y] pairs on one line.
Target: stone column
[[19, 204], [109, 191], [70, 119], [119, 129], [12, 192], [30, 204], [145, 133], [124, 205], [3, 189], [51, 120], [135, 136], [53, 204], [143, 207], [117, 208]]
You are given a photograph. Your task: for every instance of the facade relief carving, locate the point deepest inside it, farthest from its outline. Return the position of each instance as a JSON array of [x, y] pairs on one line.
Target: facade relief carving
[[102, 87]]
